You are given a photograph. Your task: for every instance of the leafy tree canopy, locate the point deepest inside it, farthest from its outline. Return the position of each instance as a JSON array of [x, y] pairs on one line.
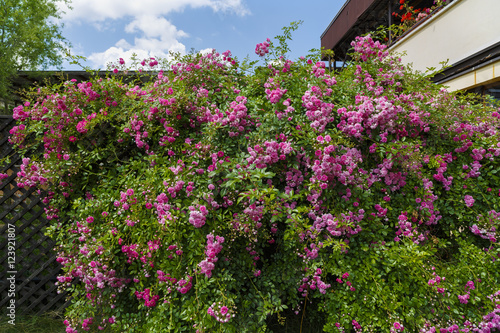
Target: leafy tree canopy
[[30, 38]]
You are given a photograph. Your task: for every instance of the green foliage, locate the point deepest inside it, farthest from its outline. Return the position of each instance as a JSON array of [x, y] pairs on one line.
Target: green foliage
[[212, 200], [29, 39], [47, 323]]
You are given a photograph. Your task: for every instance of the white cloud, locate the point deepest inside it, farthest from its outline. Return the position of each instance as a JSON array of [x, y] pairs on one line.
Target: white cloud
[[122, 43], [153, 34], [99, 10], [157, 37], [154, 26], [206, 51]]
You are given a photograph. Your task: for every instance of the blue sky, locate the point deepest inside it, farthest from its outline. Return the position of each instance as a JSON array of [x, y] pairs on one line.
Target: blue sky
[[105, 30]]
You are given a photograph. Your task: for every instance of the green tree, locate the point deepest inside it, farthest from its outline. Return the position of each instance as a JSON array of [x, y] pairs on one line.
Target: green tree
[[30, 39]]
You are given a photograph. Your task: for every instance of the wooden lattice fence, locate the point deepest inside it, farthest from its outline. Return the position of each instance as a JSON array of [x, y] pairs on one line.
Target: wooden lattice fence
[[35, 264]]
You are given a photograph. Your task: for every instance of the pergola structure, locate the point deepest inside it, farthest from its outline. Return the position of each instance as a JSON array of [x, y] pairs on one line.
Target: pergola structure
[[28, 79]]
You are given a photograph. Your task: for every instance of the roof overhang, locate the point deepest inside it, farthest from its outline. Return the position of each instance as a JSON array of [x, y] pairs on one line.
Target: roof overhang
[[356, 17], [359, 17]]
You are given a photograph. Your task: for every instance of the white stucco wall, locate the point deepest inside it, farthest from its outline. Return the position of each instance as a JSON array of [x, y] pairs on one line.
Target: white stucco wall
[[458, 31]]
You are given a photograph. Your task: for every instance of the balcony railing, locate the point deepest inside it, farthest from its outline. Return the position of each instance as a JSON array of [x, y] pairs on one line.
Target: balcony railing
[[452, 34]]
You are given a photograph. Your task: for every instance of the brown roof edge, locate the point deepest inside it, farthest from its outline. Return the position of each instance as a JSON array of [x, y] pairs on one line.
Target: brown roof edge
[[335, 18], [344, 21]]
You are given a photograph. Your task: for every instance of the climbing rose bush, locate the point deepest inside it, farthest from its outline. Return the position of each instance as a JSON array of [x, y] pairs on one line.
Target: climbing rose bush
[[216, 198]]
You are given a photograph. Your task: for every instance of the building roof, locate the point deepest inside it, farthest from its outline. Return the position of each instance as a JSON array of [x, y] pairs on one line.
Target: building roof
[[358, 17]]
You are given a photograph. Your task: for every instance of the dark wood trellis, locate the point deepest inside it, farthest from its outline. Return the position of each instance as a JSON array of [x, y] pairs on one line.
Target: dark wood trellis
[[35, 262]]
